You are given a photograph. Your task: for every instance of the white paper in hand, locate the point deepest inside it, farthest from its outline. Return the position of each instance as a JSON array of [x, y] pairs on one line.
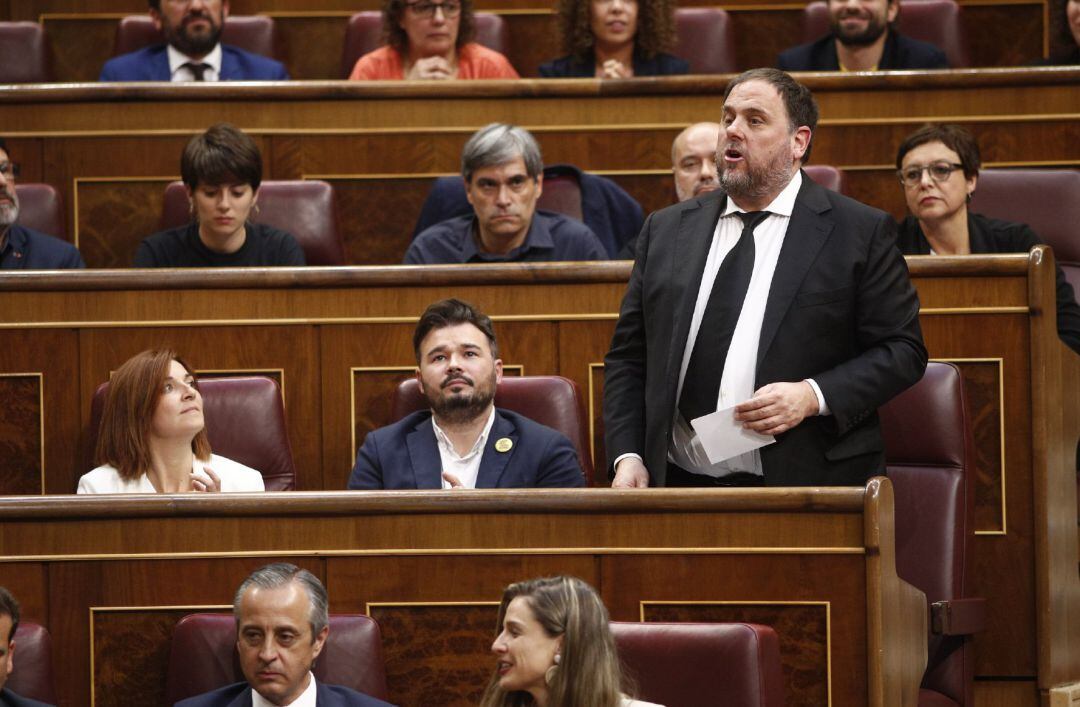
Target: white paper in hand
[[723, 437]]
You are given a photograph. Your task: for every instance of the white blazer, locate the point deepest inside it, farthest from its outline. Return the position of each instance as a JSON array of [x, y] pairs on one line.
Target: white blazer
[[234, 477]]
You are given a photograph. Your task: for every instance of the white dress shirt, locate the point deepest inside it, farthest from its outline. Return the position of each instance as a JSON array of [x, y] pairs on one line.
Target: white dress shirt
[[467, 466], [234, 477], [181, 73], [740, 366], [306, 698]]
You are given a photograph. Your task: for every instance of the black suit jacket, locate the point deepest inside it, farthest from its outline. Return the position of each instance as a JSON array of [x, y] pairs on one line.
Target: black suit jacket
[[841, 310], [239, 695], [10, 699], [900, 52]]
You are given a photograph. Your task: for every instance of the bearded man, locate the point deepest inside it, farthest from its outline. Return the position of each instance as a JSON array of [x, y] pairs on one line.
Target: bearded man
[[862, 38], [192, 50], [773, 296], [463, 441]]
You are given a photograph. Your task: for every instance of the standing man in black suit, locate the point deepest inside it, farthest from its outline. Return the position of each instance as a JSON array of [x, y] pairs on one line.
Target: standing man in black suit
[[775, 296], [863, 38]]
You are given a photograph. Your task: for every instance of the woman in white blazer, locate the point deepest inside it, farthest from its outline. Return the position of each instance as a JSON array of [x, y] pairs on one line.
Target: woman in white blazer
[[152, 437]]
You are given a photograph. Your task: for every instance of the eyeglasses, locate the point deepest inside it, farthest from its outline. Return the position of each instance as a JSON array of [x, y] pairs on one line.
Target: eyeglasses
[[10, 170], [426, 9], [939, 172]]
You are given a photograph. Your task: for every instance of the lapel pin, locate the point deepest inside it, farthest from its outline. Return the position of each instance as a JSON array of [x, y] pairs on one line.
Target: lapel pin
[[504, 444]]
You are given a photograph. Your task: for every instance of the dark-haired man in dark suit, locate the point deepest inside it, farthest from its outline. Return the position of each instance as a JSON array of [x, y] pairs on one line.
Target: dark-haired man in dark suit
[[193, 50], [9, 623], [773, 296]]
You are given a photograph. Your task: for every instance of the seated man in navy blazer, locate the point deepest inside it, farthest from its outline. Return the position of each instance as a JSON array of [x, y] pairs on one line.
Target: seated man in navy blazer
[[9, 623], [192, 50], [23, 248], [463, 441], [862, 39], [281, 626]]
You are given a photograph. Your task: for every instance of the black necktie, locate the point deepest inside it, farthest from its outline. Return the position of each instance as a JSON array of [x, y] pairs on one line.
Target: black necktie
[[198, 70], [701, 386]]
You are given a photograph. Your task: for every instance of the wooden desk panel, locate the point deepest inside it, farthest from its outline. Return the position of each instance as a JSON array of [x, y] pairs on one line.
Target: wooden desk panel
[[429, 565]]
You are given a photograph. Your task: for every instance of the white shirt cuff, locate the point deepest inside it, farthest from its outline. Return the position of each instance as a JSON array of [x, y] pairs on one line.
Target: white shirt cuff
[[823, 408], [628, 455]]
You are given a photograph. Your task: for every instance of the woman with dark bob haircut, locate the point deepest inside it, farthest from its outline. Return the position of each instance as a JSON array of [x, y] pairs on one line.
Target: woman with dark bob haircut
[[938, 167], [554, 649], [429, 39], [152, 437], [222, 171], [616, 39]]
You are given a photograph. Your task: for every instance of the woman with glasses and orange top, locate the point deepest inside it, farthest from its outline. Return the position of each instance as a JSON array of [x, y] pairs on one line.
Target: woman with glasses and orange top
[[938, 166], [430, 40]]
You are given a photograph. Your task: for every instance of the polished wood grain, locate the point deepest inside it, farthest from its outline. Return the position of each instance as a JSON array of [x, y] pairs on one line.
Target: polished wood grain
[[122, 567], [21, 435]]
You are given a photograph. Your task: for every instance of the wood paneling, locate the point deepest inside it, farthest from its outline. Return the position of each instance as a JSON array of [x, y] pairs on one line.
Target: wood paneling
[[22, 468], [983, 386]]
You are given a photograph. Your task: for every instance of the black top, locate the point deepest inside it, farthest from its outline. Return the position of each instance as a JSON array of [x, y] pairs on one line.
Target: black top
[[26, 249], [1068, 59], [988, 235], [182, 248], [900, 52], [570, 68], [10, 699]]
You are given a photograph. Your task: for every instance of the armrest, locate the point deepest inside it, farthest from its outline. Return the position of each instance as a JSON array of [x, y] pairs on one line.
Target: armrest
[[958, 617]]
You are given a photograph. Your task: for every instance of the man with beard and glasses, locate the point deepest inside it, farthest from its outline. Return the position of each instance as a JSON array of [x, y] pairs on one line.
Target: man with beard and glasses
[[192, 50], [23, 248], [863, 39], [463, 441], [780, 306]]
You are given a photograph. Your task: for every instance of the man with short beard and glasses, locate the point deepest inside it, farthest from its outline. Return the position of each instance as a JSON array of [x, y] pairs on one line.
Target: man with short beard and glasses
[[23, 248], [192, 50], [863, 39], [781, 306], [463, 441]]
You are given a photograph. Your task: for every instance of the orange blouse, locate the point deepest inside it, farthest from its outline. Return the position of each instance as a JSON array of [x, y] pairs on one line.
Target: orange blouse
[[474, 62]]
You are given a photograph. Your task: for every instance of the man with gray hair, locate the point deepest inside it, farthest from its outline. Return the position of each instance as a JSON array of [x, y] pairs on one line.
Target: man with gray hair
[[503, 174], [281, 626], [23, 248]]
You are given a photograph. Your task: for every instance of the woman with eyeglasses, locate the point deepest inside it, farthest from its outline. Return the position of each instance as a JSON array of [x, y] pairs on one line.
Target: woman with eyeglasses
[[426, 39], [616, 39], [938, 166]]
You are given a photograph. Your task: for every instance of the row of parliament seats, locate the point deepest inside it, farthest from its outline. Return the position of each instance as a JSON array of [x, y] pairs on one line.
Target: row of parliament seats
[[929, 453], [704, 37], [1046, 199], [671, 664]]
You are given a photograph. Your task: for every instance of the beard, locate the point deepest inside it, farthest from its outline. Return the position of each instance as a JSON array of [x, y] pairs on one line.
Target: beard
[[758, 180], [192, 43], [458, 408], [875, 27], [9, 210]]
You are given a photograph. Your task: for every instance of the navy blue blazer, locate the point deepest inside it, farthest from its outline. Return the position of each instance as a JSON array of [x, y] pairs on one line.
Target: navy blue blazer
[[405, 455], [239, 695], [609, 212], [900, 52], [568, 67], [26, 249], [152, 64], [10, 699]]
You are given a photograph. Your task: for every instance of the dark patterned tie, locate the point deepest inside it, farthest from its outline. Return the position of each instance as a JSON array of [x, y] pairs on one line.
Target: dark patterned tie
[[701, 386], [198, 70]]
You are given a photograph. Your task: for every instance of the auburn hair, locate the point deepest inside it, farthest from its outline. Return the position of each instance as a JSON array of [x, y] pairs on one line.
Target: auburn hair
[[655, 27], [134, 392]]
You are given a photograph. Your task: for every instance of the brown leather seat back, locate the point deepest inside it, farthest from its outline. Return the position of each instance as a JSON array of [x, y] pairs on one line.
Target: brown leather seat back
[[929, 457], [827, 176], [24, 53], [202, 656], [704, 38], [364, 33], [33, 676], [41, 208], [253, 33], [550, 400], [694, 664], [245, 421], [935, 21], [304, 208]]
